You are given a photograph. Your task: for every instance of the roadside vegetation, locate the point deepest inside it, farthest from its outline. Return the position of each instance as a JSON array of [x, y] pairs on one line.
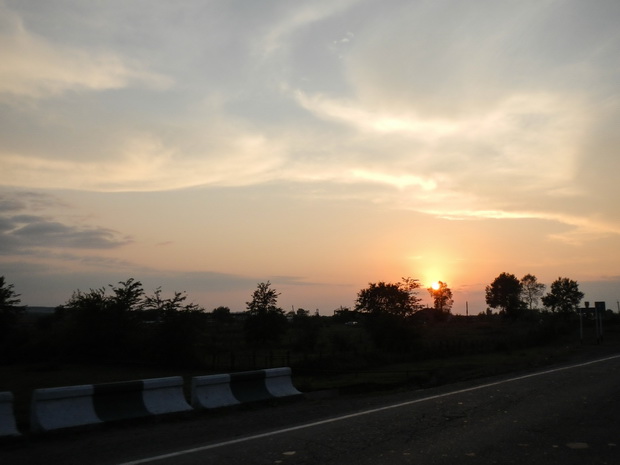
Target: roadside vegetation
[[120, 332]]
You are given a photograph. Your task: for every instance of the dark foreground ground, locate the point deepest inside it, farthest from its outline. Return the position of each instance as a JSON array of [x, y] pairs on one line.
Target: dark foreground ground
[[565, 413]]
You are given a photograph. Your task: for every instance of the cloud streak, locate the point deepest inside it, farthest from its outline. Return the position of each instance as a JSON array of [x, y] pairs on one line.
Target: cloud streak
[[37, 68], [23, 233], [26, 232]]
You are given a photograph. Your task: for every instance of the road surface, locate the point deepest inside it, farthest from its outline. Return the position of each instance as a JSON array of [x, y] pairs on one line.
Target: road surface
[[565, 414]]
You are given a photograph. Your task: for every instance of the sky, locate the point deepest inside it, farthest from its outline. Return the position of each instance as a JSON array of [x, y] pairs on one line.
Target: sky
[[208, 146]]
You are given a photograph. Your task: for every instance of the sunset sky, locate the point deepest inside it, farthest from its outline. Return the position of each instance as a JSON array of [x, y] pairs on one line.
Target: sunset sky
[[207, 146]]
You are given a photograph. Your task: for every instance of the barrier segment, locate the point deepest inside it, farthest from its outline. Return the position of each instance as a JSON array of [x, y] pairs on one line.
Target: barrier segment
[[249, 386], [62, 407], [280, 383], [65, 407], [8, 427], [165, 395], [224, 390], [212, 391], [119, 401]]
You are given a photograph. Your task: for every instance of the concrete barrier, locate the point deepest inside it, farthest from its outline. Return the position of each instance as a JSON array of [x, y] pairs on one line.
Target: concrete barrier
[[71, 406], [8, 427], [165, 395], [64, 407], [249, 386], [212, 391], [119, 401], [279, 382], [244, 387]]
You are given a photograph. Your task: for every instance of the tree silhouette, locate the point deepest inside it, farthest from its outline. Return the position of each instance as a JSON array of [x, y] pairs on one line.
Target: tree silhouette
[[442, 297], [531, 290], [398, 299], [179, 337], [505, 293], [265, 323], [305, 329], [101, 325], [126, 324], [564, 296], [388, 307], [222, 314], [10, 310]]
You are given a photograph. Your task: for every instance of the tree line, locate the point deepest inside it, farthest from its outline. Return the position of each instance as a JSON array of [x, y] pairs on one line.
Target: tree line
[[514, 297], [511, 296], [123, 323]]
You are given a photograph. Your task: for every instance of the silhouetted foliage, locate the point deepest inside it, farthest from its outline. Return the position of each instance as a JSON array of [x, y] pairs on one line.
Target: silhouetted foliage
[[399, 299], [180, 329], [10, 310], [128, 325], [225, 331], [265, 323], [222, 315], [442, 298], [346, 315], [564, 296], [128, 296], [121, 324], [180, 339], [504, 293], [388, 307], [160, 306], [102, 326], [391, 332], [305, 330], [531, 291], [12, 338]]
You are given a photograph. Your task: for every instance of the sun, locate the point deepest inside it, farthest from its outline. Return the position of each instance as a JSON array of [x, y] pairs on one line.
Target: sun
[[435, 285]]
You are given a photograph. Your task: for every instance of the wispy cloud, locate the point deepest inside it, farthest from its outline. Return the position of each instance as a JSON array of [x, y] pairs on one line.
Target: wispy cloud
[[34, 67], [146, 163], [302, 14], [398, 181], [353, 113], [25, 232], [490, 163], [585, 228], [20, 233]]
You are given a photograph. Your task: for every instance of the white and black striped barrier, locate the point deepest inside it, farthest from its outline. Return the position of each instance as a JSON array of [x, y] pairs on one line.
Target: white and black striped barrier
[[8, 427], [72, 406], [65, 407], [224, 390]]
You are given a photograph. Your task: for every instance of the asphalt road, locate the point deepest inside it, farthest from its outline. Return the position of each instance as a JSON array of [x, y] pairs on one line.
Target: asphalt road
[[562, 415]]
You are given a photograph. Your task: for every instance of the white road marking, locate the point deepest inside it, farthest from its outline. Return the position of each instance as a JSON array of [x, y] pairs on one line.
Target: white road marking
[[357, 414]]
